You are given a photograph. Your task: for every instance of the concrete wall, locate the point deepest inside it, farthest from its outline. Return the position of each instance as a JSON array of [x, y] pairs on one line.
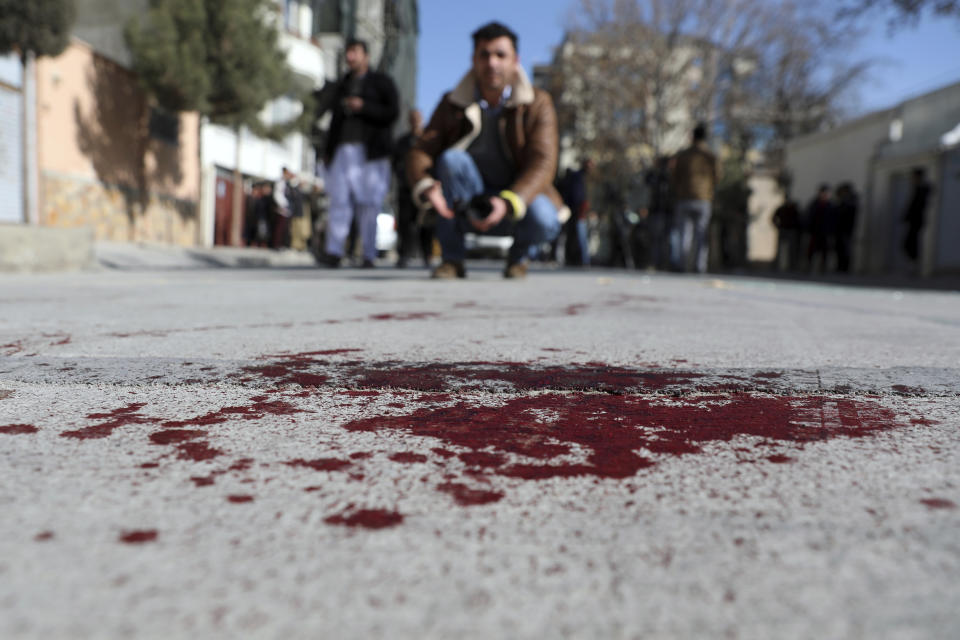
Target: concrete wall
[[845, 155], [99, 165], [876, 154]]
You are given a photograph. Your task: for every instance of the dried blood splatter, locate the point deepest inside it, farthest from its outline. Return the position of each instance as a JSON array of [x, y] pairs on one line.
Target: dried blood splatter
[[18, 429], [138, 536], [113, 420], [367, 519], [240, 499], [321, 464], [939, 503], [535, 437], [410, 315], [906, 390], [174, 436], [467, 497], [779, 459], [197, 451], [408, 457]]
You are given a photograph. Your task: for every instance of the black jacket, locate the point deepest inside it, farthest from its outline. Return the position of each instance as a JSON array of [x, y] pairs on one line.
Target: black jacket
[[381, 106]]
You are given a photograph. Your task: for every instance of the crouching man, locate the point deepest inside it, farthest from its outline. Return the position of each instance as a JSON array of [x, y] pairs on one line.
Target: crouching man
[[491, 143]]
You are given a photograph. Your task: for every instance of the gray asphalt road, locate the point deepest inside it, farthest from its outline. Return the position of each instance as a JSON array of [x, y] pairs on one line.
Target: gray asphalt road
[[362, 454]]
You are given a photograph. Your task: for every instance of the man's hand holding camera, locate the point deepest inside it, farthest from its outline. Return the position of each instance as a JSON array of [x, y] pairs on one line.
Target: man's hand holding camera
[[497, 213], [498, 209]]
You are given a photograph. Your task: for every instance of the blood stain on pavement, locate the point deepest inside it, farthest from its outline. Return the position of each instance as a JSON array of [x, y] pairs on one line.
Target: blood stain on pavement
[[410, 315], [138, 536], [779, 459], [44, 536], [18, 429], [367, 519], [261, 406], [12, 348], [906, 390], [113, 420], [408, 457], [533, 437], [175, 436], [321, 464], [197, 451], [467, 497], [939, 503], [240, 499]]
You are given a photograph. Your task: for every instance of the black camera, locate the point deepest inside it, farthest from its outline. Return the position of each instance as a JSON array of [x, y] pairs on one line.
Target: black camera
[[477, 209]]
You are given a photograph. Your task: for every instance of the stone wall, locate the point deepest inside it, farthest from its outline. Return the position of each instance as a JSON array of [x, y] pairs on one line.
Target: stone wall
[[116, 213]]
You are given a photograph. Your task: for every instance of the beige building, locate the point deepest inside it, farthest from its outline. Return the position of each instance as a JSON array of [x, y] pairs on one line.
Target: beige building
[[106, 160]]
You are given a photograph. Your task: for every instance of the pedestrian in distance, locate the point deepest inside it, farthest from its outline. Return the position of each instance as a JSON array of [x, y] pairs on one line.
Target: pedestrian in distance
[[357, 154], [573, 188], [693, 182], [915, 213], [821, 223], [487, 159], [660, 208], [289, 204], [846, 221], [786, 218], [253, 193]]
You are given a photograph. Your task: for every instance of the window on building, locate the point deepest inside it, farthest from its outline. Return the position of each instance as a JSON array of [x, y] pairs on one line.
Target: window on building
[[327, 17], [291, 15], [164, 126]]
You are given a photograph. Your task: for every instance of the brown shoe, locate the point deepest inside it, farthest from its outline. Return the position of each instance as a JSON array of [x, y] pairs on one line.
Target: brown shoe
[[517, 270], [449, 271]]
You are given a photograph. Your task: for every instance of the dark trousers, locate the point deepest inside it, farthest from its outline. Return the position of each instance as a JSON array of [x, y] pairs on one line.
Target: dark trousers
[[911, 243], [281, 232]]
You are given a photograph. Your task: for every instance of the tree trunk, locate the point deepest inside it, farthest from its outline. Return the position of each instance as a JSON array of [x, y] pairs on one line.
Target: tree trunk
[[31, 210], [236, 217]]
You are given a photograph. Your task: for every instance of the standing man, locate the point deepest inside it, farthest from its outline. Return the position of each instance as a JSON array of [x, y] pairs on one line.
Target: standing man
[[916, 212], [694, 181], [574, 192], [820, 224], [289, 204], [846, 214], [357, 154], [491, 141]]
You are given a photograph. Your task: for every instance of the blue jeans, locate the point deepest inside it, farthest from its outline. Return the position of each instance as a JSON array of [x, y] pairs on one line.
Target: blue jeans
[[583, 241], [689, 241], [461, 181]]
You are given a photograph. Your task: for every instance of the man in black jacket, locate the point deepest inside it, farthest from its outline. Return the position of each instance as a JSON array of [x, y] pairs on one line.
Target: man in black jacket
[[357, 153]]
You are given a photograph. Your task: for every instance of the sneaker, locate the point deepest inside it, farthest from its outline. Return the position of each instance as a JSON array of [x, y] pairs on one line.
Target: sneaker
[[517, 271], [449, 271]]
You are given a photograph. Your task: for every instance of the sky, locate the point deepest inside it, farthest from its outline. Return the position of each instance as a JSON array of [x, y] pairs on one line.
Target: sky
[[912, 61]]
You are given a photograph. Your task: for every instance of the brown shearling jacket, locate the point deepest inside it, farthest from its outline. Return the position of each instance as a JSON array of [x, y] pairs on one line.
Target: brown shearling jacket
[[528, 128], [695, 173]]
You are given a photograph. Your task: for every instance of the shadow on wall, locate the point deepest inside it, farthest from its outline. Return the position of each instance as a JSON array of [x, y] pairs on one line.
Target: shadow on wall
[[115, 134]]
